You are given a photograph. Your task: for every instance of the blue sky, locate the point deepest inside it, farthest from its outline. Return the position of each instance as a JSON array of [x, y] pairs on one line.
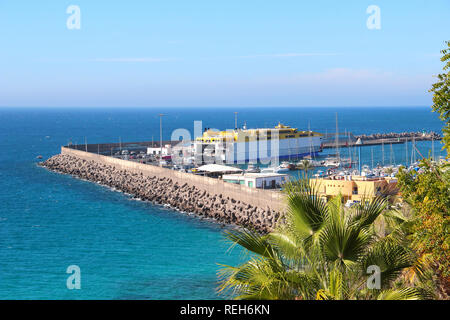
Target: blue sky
[[220, 53]]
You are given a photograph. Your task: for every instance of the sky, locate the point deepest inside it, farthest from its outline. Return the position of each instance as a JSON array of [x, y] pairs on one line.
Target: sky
[[175, 53]]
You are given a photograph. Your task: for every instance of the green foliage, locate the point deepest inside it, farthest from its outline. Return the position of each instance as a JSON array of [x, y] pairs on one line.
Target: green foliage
[[322, 251], [428, 194], [441, 95]]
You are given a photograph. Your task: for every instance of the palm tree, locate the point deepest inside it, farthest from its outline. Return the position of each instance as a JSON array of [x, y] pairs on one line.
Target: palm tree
[[305, 165], [321, 252]]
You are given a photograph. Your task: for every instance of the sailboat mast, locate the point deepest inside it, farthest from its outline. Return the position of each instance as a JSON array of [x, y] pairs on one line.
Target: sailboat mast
[[406, 150], [349, 149], [432, 148], [310, 141], [337, 138], [372, 156], [413, 151], [390, 155]]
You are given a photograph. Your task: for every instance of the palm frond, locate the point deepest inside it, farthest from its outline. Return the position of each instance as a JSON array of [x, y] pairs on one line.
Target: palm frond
[[366, 212], [343, 243], [306, 212], [251, 241], [407, 293], [390, 257]]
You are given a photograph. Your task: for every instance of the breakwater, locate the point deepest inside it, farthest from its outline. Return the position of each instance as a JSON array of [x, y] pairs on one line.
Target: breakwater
[[163, 188], [349, 140], [403, 136]]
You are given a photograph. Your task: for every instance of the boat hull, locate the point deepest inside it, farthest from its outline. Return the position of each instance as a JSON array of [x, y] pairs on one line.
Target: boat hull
[[258, 151]]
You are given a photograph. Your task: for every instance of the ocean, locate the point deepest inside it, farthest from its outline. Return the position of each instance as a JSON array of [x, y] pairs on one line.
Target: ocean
[[129, 249]]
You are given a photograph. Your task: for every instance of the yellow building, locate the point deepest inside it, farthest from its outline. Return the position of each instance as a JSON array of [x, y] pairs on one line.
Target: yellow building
[[354, 188]]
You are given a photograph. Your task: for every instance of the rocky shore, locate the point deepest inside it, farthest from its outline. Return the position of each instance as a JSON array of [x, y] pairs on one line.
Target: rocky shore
[[161, 190]]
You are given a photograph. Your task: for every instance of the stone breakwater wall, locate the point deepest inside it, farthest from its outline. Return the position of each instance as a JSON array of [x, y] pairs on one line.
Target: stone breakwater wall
[[402, 135], [206, 197]]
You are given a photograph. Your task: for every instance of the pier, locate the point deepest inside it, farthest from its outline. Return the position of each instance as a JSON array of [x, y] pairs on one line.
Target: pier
[[206, 197], [348, 139]]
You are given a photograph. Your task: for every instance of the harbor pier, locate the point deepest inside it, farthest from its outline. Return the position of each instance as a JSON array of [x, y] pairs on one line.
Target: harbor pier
[[206, 197], [348, 139]]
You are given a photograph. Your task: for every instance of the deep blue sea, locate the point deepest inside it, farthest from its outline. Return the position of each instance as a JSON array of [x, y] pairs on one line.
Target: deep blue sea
[[129, 249]]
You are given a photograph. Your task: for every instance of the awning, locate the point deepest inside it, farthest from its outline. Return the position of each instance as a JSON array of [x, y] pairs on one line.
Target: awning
[[217, 168]]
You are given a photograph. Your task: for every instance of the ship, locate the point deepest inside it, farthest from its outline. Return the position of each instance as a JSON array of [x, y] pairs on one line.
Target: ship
[[256, 145]]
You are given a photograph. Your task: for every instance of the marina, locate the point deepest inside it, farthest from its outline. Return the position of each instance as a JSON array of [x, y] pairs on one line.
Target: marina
[[213, 156], [329, 154], [173, 151], [224, 193], [94, 214]]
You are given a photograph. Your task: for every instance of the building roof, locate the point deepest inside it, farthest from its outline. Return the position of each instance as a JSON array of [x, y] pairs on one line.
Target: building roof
[[258, 175], [217, 168]]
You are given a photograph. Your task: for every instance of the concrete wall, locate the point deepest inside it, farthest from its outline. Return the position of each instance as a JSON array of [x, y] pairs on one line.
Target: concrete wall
[[255, 197]]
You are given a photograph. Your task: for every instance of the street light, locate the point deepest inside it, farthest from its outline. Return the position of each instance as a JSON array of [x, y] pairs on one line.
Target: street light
[[160, 138], [235, 120]]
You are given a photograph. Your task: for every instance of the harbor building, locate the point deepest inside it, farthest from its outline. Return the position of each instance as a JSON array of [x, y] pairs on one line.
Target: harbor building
[[166, 150], [253, 145], [258, 180], [354, 188], [216, 170]]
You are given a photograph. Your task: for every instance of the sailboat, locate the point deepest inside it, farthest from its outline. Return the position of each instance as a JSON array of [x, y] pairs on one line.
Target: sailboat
[[338, 161], [334, 161], [311, 156]]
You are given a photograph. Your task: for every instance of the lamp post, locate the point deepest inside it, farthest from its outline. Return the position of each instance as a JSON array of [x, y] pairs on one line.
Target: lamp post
[[359, 144], [160, 138], [235, 120]]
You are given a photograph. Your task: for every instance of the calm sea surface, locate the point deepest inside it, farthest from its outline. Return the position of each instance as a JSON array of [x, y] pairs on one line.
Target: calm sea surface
[[129, 249]]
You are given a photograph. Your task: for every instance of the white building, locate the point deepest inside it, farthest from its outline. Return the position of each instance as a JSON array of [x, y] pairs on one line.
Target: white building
[[258, 180], [166, 150]]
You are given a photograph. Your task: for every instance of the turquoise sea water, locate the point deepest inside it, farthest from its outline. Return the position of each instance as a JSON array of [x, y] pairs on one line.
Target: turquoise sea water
[[129, 249]]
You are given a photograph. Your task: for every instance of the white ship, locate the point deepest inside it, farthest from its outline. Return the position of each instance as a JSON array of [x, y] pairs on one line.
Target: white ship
[[256, 145]]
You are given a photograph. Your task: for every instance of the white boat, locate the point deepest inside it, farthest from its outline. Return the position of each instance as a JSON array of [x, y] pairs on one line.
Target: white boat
[[285, 164], [332, 163], [280, 169], [316, 163], [252, 169], [277, 169], [319, 174]]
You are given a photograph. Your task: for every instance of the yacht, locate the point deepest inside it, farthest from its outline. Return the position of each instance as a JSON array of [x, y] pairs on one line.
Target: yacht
[[252, 169], [277, 169]]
